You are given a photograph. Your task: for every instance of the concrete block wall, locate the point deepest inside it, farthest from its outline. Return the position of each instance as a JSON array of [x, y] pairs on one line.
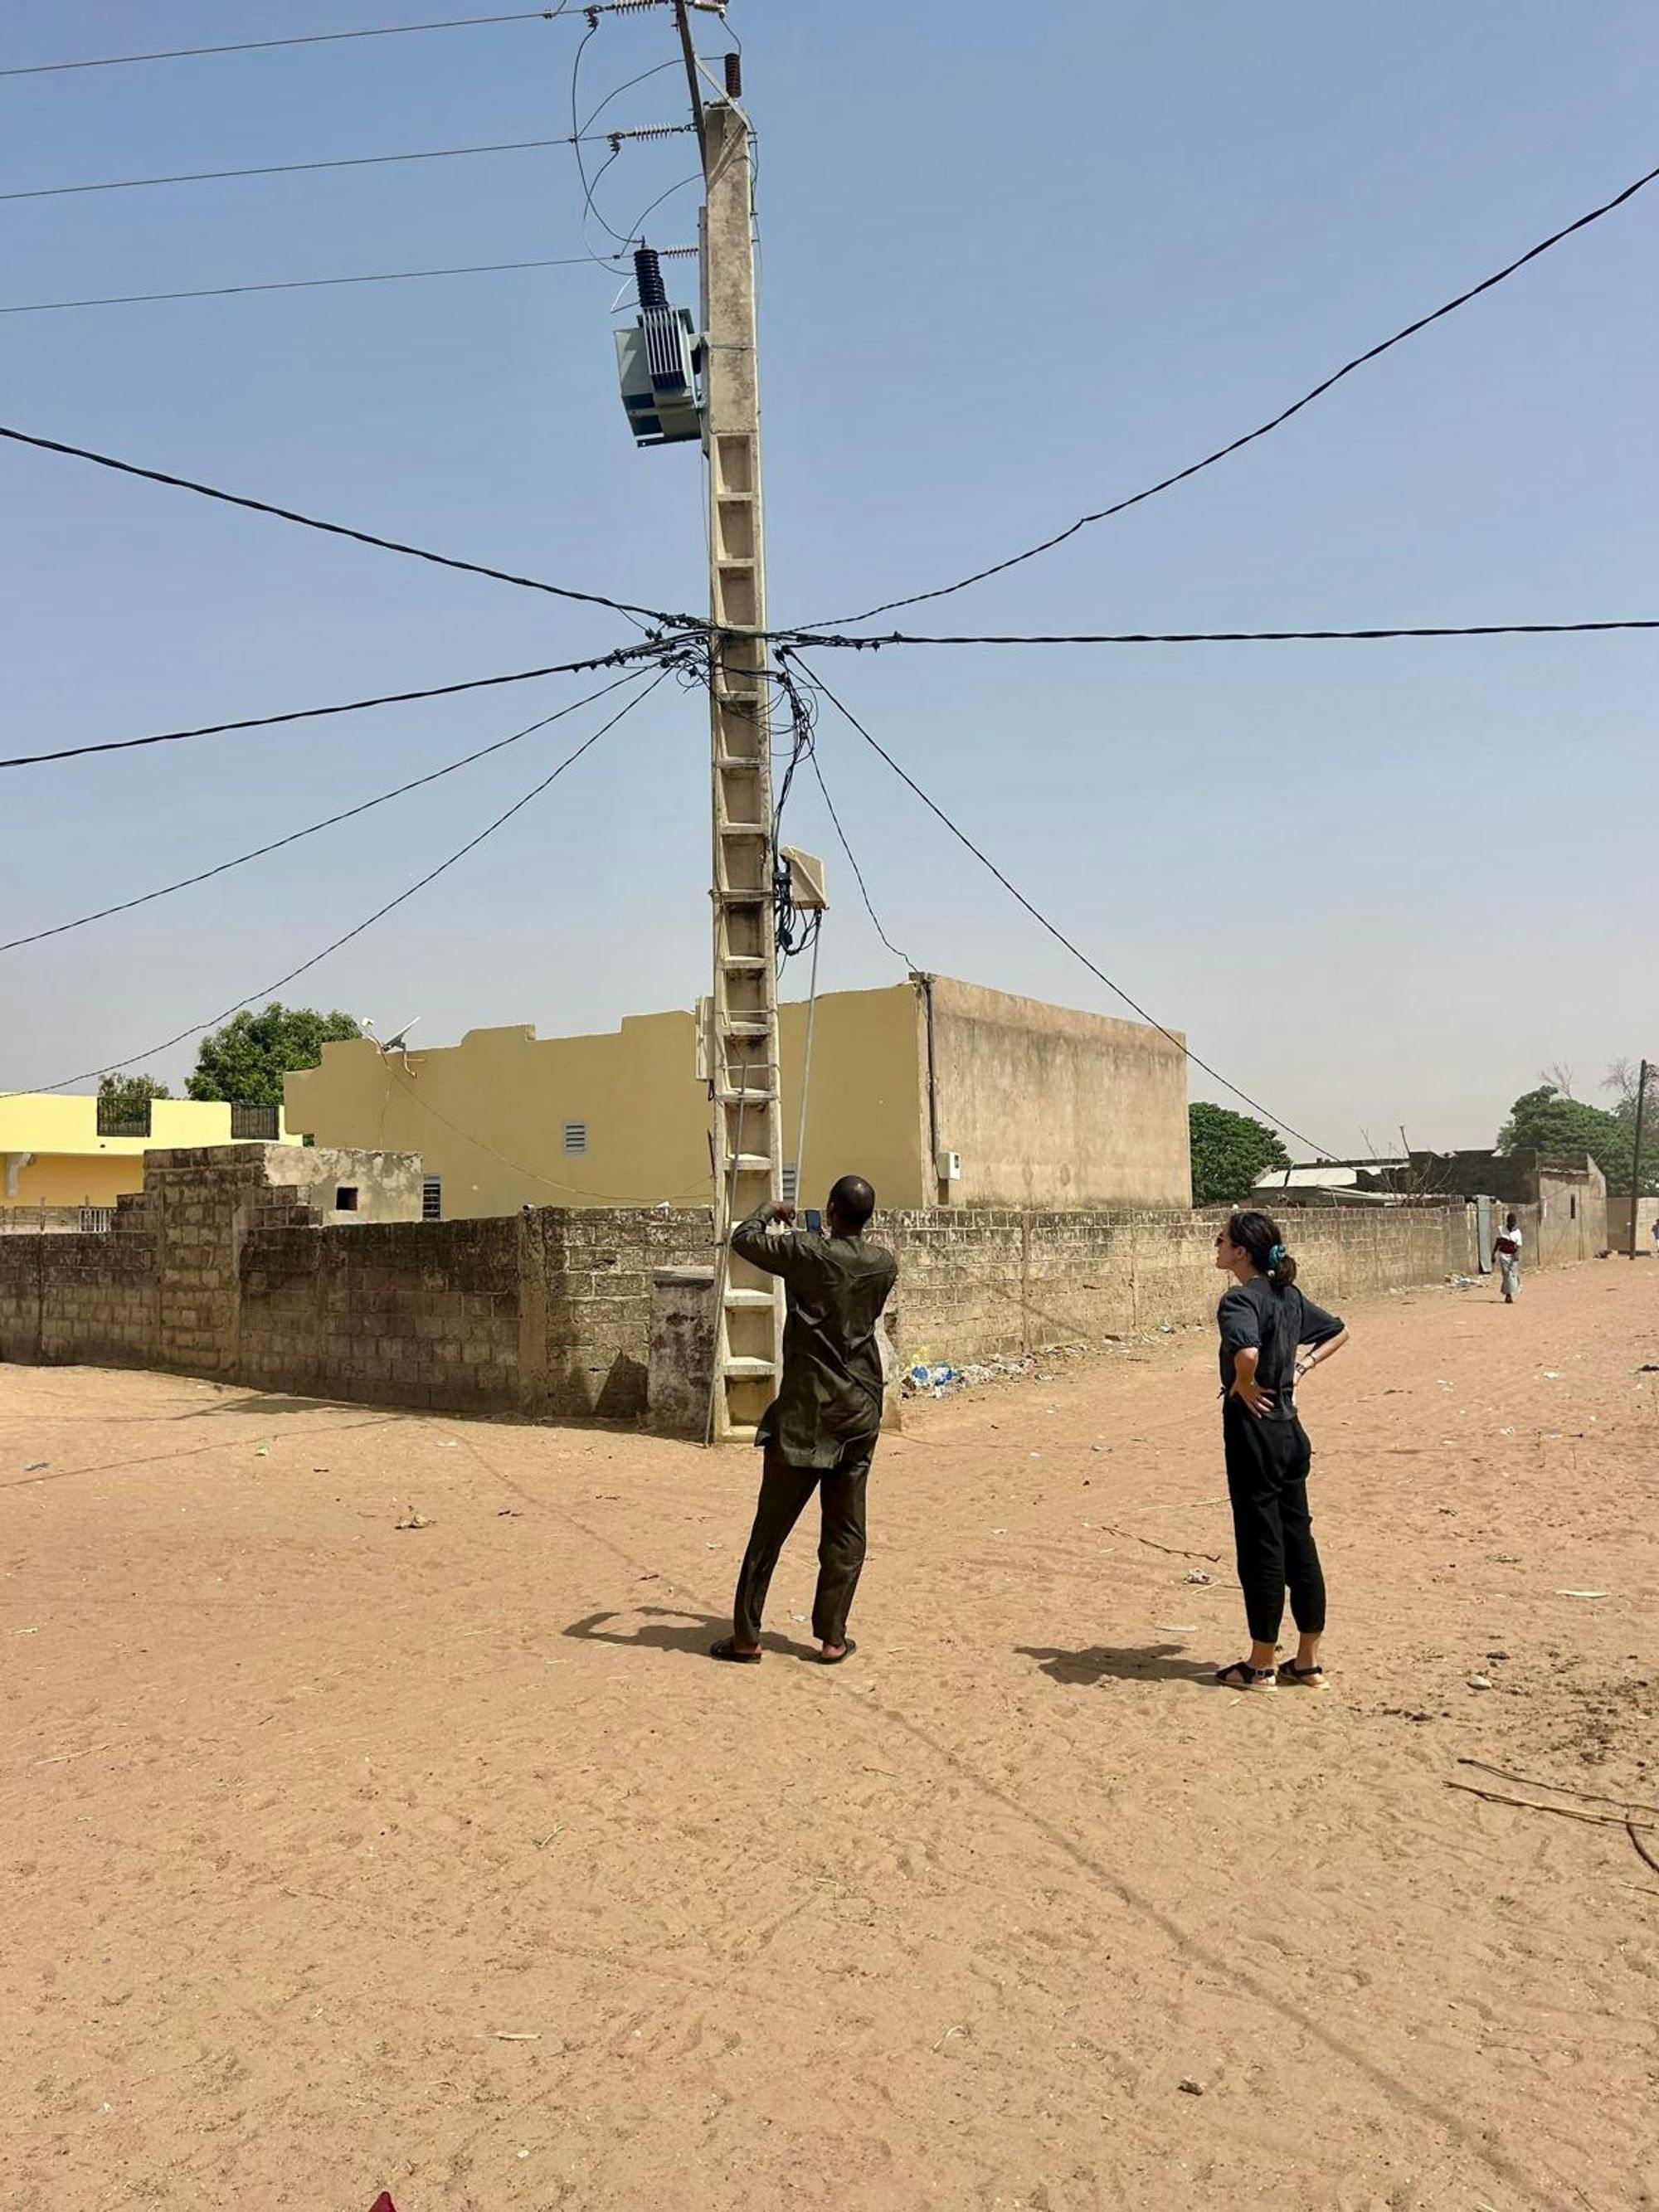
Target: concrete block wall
[[219, 1269], [974, 1284], [417, 1313]]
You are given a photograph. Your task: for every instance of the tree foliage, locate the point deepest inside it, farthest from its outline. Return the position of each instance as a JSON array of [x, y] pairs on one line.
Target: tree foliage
[[1230, 1153], [246, 1061], [1544, 1120], [125, 1097]]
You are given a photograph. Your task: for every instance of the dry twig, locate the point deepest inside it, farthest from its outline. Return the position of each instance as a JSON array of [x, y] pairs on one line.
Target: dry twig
[[1563, 1812], [1642, 1851], [1174, 1550], [1561, 1789]]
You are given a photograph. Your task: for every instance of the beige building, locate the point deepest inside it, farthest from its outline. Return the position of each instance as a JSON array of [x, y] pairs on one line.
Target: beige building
[[940, 1092]]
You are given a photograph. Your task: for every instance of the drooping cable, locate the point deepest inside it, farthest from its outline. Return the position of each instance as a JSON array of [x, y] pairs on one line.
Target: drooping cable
[[654, 651], [858, 872], [612, 139], [792, 931], [1057, 934], [1273, 422], [343, 530], [297, 284], [195, 1028], [294, 836], [325, 38], [835, 640]]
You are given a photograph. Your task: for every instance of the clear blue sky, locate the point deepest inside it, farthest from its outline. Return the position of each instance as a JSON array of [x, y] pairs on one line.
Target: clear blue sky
[[1016, 261]]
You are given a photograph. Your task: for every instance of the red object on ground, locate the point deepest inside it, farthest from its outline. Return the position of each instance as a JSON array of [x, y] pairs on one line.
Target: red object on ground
[[383, 2203]]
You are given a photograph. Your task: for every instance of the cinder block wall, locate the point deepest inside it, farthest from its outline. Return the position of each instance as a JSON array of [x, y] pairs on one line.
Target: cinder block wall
[[973, 1285], [217, 1269]]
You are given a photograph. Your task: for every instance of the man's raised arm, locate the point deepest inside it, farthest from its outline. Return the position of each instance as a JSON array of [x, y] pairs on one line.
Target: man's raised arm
[[749, 1241]]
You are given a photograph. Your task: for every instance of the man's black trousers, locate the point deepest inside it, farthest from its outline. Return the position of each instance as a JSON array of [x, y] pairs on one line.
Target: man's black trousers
[[783, 1493]]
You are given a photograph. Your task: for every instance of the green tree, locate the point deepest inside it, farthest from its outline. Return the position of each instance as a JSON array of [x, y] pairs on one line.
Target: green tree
[[246, 1061], [1543, 1121], [1231, 1152], [124, 1097]]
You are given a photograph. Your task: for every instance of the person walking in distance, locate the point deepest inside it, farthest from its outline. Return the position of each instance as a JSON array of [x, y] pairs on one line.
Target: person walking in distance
[[820, 1431], [1506, 1250], [1265, 1322]]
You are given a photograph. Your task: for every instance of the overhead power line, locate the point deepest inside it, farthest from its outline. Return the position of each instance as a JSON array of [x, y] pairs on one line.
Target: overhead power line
[[195, 1028], [830, 638], [347, 706], [1262, 429], [343, 530], [852, 862], [1057, 934], [294, 836], [302, 284], [650, 132], [332, 37]]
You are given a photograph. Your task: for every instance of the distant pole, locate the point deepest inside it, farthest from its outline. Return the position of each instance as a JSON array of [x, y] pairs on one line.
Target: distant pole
[[1636, 1159]]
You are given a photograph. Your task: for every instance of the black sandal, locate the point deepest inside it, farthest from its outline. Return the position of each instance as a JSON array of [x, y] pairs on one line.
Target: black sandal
[[1311, 1678], [834, 1659], [1241, 1675], [726, 1648]]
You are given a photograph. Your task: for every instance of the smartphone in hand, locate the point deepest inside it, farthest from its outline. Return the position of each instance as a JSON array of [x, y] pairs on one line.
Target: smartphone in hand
[[814, 1221]]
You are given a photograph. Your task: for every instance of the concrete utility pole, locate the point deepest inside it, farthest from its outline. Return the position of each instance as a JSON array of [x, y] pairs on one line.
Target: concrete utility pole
[[743, 1043], [1636, 1161]]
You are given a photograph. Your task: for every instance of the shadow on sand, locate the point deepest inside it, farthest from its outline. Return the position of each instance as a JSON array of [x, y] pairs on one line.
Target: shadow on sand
[[661, 1628], [1137, 1663]]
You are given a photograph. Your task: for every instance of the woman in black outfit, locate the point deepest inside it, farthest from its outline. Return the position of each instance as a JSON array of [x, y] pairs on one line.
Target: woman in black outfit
[[1265, 1321]]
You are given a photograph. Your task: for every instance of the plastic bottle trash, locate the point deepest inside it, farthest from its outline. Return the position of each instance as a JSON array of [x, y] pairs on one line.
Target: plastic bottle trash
[[936, 1378]]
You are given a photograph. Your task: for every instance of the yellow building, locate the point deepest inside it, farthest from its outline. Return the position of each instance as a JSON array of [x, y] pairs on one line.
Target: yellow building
[[940, 1092], [63, 1151]]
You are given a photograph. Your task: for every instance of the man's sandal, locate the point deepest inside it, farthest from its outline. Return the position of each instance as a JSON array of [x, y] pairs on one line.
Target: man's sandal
[[1241, 1675], [834, 1658], [1309, 1678], [726, 1648]]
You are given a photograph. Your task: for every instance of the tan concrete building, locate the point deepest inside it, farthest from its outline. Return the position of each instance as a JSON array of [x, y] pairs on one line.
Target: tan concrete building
[[1038, 1105]]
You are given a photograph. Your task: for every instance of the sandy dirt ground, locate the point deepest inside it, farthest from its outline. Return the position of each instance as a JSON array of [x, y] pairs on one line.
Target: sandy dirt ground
[[343, 1856]]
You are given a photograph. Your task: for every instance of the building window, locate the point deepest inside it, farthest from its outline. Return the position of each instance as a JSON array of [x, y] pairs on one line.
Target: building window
[[791, 1181], [97, 1220], [432, 1198], [113, 1122], [345, 1198], [1572, 1206], [255, 1122], [575, 1136]]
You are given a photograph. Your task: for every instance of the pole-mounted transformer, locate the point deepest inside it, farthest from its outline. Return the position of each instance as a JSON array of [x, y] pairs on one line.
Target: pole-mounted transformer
[[659, 363]]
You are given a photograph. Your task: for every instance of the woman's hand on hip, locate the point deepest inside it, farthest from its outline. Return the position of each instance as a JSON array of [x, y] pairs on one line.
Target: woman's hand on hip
[[1250, 1393]]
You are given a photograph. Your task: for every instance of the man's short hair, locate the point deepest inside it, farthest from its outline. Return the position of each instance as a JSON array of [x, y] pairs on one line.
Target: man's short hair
[[853, 1200]]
